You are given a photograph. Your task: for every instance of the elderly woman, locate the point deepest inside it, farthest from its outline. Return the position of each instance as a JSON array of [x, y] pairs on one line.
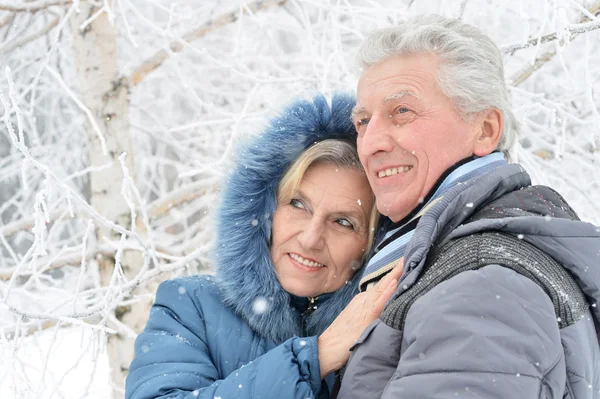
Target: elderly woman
[[295, 224]]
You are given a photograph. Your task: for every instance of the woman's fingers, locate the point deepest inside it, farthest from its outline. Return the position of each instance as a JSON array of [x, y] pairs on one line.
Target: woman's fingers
[[384, 289], [380, 301], [397, 271], [393, 274], [335, 342]]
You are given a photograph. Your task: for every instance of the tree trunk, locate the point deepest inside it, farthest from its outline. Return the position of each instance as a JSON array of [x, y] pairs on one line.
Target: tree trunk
[[105, 94]]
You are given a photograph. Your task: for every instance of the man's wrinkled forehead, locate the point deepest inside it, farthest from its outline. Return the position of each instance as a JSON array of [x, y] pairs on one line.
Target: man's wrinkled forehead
[[361, 109]]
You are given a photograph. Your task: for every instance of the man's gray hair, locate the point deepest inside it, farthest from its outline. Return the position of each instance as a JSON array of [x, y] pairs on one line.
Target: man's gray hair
[[471, 71]]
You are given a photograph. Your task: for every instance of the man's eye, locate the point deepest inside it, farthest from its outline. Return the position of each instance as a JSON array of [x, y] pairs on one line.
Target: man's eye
[[296, 203], [402, 110], [361, 122]]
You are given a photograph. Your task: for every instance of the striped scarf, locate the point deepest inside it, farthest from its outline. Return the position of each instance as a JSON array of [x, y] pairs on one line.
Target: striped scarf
[[391, 246]]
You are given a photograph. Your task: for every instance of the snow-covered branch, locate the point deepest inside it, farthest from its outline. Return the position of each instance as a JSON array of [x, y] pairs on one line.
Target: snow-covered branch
[[10, 46], [570, 32], [178, 45], [32, 6], [519, 77]]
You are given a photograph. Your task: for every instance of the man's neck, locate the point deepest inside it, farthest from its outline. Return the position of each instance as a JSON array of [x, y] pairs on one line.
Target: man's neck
[[432, 191]]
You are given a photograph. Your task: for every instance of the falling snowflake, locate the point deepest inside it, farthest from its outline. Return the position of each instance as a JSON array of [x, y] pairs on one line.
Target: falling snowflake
[[260, 305]]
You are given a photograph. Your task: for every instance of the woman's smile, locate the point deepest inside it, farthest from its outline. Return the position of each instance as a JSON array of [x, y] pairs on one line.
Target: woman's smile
[[305, 262]]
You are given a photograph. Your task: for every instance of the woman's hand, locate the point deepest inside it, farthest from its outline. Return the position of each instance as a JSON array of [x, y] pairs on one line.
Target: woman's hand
[[335, 342]]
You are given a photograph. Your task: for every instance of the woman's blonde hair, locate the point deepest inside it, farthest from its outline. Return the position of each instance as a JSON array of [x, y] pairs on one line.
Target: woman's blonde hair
[[342, 154]]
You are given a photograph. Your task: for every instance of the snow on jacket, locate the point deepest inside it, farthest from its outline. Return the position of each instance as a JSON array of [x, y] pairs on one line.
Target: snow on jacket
[[489, 332], [239, 334]]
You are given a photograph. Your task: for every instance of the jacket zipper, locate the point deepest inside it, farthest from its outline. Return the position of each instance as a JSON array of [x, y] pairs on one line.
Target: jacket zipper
[[312, 305]]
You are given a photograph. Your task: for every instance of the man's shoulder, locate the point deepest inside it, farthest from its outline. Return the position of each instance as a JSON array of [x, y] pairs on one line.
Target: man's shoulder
[[474, 252], [528, 201]]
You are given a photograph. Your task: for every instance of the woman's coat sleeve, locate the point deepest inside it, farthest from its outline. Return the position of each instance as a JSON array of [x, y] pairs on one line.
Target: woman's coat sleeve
[[490, 333], [172, 358]]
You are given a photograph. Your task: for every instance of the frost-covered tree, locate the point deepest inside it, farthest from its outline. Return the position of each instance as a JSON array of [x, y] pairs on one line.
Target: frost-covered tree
[[118, 118]]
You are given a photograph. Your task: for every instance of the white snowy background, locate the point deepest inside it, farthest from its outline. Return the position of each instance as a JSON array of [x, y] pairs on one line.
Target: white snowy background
[[118, 118]]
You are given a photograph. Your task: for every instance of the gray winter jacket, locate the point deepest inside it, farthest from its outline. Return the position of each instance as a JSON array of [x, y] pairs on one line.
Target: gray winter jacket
[[490, 332]]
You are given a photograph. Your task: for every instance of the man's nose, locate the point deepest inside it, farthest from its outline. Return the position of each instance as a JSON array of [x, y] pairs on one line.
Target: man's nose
[[311, 236], [377, 137]]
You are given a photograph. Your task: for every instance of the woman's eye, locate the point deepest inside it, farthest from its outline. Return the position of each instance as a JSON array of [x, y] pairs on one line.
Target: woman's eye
[[345, 223], [296, 203]]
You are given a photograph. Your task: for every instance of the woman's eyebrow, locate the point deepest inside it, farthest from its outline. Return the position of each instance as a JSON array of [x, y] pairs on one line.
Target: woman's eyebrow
[[300, 195], [355, 213]]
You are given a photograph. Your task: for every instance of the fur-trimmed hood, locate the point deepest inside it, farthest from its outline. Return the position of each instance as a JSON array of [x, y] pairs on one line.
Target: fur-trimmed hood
[[245, 272]]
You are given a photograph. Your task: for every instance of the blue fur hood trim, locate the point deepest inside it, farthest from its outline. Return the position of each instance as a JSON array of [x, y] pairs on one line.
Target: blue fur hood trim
[[245, 272]]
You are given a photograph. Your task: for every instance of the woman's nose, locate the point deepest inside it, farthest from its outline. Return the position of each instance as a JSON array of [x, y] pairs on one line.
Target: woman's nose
[[311, 236]]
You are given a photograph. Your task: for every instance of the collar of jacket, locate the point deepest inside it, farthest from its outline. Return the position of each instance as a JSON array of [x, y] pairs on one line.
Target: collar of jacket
[[306, 305], [244, 270]]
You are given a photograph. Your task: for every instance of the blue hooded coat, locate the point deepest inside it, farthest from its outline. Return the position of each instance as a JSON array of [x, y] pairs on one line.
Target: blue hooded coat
[[239, 334]]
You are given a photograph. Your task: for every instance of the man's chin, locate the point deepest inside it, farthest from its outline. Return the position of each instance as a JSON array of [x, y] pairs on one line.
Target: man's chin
[[397, 210]]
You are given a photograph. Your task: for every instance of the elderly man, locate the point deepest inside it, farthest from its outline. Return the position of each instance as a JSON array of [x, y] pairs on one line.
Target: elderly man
[[501, 278]]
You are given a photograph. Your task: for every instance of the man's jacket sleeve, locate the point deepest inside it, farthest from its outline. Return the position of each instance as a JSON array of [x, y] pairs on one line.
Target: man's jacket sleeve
[[172, 359], [490, 333]]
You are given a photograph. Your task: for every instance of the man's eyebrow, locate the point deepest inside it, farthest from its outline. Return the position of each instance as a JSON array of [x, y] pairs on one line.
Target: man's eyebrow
[[399, 95], [359, 109]]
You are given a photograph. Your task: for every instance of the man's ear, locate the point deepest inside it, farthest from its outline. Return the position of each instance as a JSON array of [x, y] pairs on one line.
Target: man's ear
[[489, 128]]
